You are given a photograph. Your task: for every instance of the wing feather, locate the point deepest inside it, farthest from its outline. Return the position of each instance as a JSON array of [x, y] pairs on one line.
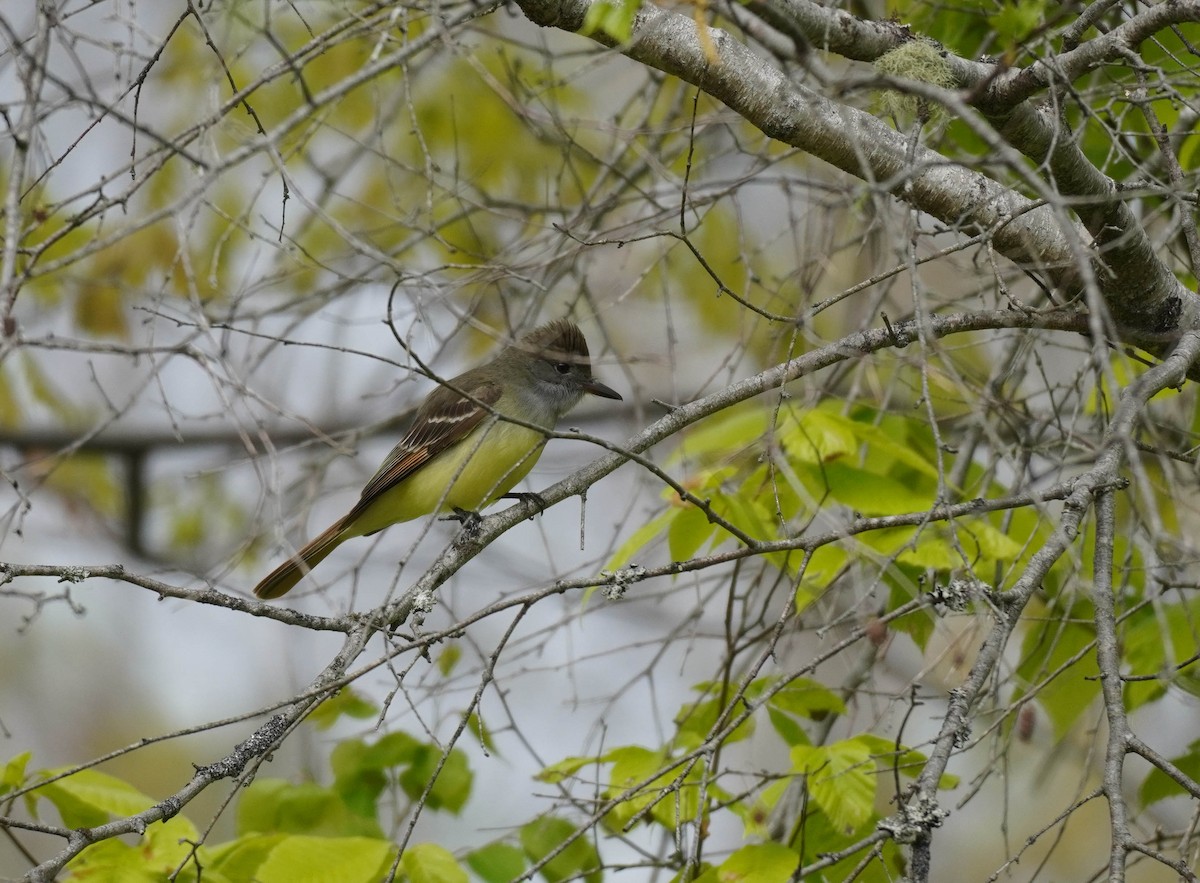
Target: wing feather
[[443, 420]]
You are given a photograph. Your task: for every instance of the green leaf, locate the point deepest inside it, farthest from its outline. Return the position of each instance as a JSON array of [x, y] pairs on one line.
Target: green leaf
[[663, 795], [1188, 152], [170, 841], [358, 774], [1054, 638], [759, 863], [869, 493], [89, 798], [345, 702], [747, 514], [239, 859], [565, 768], [908, 762], [817, 437], [696, 720], [788, 729], [430, 863], [309, 808], [647, 803], [258, 807], [716, 437], [801, 696], [1147, 649], [809, 699], [639, 540], [542, 837], [303, 859], [894, 440], [705, 873], [112, 861], [163, 848], [979, 537], [633, 764], [448, 659], [1159, 786], [453, 784], [824, 565], [903, 586], [841, 779], [1016, 21], [918, 547], [480, 731], [13, 775], [497, 862], [689, 529], [273, 805], [394, 749], [612, 17]]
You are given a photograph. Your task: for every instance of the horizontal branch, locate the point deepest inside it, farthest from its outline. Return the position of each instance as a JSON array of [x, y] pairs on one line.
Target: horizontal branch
[[810, 542], [77, 573]]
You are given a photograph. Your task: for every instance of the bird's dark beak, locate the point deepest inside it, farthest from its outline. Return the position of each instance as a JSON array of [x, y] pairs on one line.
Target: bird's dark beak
[[596, 388]]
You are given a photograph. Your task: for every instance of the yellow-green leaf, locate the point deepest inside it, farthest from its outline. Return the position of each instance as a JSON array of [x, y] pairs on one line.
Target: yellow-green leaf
[[497, 862], [759, 863], [430, 863], [638, 541], [13, 775], [577, 859], [689, 529], [817, 437], [841, 779], [305, 859], [345, 702], [89, 797], [565, 768], [448, 659]]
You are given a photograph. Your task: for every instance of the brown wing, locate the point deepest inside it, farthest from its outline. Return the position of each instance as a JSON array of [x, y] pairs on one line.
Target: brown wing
[[444, 419]]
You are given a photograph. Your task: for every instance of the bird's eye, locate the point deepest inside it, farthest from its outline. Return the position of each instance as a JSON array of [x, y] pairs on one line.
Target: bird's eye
[[563, 367]]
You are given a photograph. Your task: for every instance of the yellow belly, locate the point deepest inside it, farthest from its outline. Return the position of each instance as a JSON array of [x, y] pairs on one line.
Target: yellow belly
[[468, 476]]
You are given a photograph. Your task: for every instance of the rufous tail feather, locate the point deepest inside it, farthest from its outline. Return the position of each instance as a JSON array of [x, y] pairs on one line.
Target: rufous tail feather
[[281, 580]]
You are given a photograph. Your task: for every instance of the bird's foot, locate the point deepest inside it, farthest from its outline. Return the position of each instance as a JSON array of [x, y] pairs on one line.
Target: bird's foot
[[468, 519], [530, 499]]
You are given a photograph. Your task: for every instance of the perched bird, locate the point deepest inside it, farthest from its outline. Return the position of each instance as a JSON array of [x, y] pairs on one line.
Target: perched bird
[[461, 453]]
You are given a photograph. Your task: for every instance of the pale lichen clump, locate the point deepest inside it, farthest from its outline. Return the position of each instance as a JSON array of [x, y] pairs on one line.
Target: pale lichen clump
[[920, 60]]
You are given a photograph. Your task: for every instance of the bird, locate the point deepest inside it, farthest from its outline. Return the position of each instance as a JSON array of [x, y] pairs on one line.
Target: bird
[[461, 453]]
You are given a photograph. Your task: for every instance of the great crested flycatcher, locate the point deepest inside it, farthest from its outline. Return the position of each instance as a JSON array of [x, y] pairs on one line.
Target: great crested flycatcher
[[461, 453]]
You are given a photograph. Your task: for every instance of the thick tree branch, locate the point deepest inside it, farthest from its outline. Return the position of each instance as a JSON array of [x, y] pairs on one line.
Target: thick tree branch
[[1139, 289], [1141, 292]]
